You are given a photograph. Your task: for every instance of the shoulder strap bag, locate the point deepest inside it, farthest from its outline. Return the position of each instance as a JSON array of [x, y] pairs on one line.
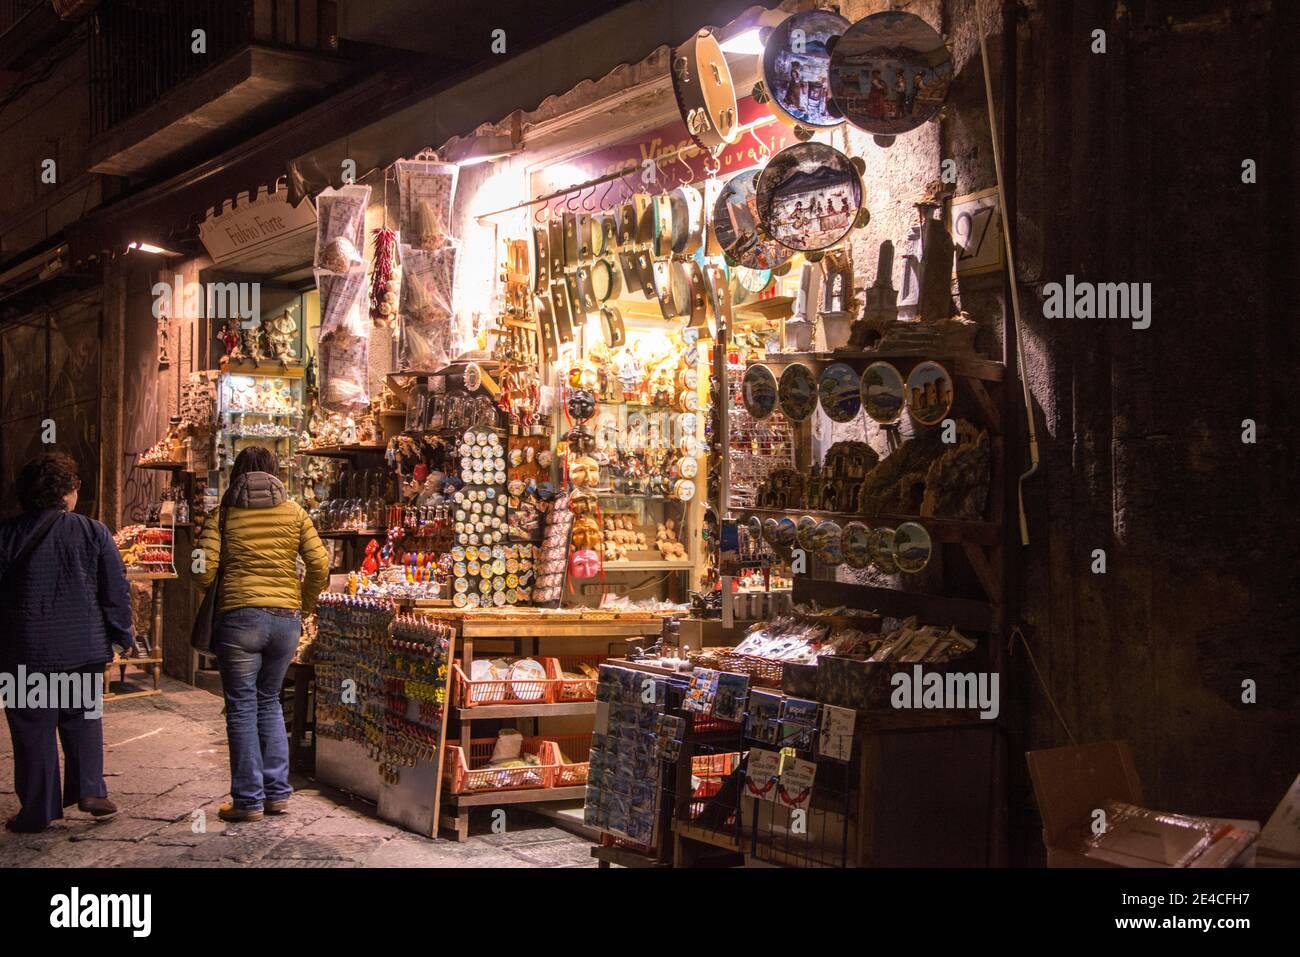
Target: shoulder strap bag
[[205, 621]]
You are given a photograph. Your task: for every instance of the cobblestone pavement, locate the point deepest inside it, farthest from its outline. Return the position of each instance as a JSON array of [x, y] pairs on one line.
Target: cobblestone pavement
[[166, 756]]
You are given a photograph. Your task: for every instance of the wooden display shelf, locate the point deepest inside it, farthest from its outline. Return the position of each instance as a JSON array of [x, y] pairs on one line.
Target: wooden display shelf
[[138, 576], [940, 529], [342, 451], [704, 835], [164, 466], [496, 712], [625, 857], [963, 613], [648, 565], [355, 533], [971, 367], [276, 371], [774, 307]]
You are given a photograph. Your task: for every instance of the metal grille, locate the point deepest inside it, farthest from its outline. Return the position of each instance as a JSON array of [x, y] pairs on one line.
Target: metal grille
[[756, 447], [142, 49]]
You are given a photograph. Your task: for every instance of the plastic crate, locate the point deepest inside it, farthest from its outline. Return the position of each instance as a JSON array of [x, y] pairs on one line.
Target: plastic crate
[[465, 773], [573, 689], [575, 747], [497, 691]]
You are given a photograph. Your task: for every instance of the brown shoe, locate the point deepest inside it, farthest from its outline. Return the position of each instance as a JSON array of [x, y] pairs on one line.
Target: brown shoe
[[277, 807], [238, 815], [101, 809]]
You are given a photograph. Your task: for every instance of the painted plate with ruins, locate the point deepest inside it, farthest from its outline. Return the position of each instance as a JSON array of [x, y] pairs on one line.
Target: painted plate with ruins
[[911, 547], [804, 529], [735, 226], [797, 392], [883, 392], [855, 542], [840, 392], [929, 393], [809, 195], [827, 539], [881, 548], [758, 392], [889, 73]]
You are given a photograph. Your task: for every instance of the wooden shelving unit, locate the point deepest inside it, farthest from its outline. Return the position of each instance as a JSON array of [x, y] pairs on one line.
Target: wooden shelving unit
[[525, 633], [343, 451]]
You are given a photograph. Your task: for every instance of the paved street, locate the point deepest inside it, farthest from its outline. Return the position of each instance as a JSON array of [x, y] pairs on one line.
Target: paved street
[[166, 758]]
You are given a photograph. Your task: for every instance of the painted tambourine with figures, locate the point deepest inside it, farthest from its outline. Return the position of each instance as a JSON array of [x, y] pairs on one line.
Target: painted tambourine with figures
[[796, 66], [889, 73], [808, 196]]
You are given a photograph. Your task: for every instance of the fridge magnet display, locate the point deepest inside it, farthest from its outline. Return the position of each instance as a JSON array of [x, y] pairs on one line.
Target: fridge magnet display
[[929, 393], [808, 196], [735, 225], [796, 65], [797, 392], [889, 73], [883, 392], [702, 693]]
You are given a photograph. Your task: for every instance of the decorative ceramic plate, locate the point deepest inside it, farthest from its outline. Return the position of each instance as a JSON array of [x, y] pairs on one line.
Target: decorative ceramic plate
[[889, 73], [929, 393], [840, 392], [796, 65], [827, 541], [808, 196], [527, 677], [797, 392], [735, 226], [883, 392], [855, 543], [753, 281], [804, 529], [882, 550], [912, 547], [786, 530], [758, 392]]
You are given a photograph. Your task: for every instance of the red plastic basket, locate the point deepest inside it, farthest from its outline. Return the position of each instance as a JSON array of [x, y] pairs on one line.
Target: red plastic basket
[[496, 691]]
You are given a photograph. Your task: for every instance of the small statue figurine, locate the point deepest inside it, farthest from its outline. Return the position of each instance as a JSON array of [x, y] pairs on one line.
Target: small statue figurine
[[253, 345], [233, 341], [280, 333]]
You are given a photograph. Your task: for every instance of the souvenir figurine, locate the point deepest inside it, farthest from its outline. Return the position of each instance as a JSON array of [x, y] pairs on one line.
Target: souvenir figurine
[[280, 332]]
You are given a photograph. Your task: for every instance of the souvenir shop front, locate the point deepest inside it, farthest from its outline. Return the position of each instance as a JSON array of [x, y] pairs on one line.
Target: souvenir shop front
[[639, 491]]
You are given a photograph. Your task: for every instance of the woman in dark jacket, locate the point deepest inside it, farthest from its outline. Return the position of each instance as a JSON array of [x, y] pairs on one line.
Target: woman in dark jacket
[[65, 602], [261, 605]]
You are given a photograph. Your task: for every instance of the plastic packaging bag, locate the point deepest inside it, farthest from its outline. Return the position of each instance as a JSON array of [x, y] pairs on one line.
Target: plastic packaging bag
[[344, 302], [341, 228], [345, 372], [427, 190], [428, 280]]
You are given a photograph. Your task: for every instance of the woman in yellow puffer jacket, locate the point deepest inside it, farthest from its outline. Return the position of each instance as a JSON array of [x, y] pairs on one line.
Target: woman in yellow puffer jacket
[[259, 623]]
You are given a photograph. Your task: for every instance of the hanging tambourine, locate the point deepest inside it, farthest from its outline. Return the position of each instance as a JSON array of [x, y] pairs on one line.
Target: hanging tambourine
[[705, 94], [687, 229], [889, 73], [808, 196], [735, 225], [796, 64]]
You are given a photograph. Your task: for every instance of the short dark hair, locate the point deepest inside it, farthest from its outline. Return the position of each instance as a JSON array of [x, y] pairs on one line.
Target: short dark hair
[[254, 459], [44, 481]]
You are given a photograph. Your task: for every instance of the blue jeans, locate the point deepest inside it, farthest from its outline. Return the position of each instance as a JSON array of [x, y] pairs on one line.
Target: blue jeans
[[254, 648]]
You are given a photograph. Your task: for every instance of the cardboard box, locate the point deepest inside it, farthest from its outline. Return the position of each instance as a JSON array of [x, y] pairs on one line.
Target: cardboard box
[[1071, 783]]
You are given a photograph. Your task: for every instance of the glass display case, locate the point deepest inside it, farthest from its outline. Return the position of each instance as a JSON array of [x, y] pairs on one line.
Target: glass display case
[[259, 407]]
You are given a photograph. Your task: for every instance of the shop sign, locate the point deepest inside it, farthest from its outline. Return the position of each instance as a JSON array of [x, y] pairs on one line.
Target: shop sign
[[249, 227], [660, 144]]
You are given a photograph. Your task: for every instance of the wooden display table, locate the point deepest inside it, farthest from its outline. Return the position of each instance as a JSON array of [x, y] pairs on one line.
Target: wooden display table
[[526, 631], [152, 665]]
